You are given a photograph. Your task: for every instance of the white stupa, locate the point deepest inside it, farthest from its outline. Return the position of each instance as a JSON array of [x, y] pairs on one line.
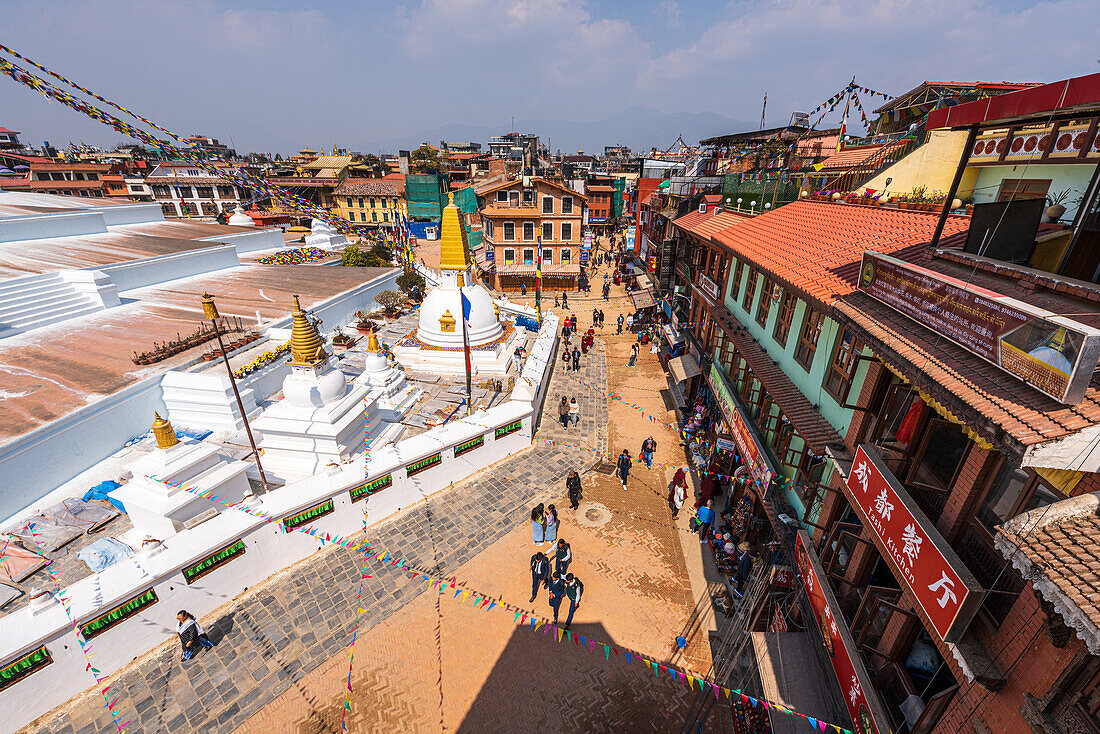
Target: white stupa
[[240, 219], [324, 235], [394, 395], [437, 345], [321, 419], [159, 511]]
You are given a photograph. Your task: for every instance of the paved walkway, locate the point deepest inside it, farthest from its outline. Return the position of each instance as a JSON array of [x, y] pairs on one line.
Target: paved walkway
[[426, 663]]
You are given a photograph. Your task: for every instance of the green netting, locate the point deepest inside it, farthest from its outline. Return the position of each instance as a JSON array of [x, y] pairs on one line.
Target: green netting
[[465, 200], [474, 239], [617, 199], [423, 188], [429, 210]]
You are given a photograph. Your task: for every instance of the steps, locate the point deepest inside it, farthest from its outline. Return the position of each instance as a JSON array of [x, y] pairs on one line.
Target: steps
[[40, 300]]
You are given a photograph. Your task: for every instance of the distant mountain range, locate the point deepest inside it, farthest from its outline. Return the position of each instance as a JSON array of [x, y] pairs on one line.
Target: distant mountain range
[[638, 127]]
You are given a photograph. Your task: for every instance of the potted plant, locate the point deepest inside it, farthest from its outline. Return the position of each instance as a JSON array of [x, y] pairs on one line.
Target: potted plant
[[391, 302], [1056, 202], [342, 343], [363, 324]]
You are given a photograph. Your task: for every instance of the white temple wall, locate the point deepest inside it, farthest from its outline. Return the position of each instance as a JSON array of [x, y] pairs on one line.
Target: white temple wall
[[155, 270], [268, 550]]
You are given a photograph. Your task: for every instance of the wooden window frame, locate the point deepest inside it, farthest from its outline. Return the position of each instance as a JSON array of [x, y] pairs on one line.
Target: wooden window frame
[[784, 317], [735, 289], [847, 371], [1018, 191], [812, 319], [764, 306], [750, 289]]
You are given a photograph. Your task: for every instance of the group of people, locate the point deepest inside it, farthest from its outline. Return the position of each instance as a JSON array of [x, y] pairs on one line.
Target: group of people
[[559, 582], [569, 412]]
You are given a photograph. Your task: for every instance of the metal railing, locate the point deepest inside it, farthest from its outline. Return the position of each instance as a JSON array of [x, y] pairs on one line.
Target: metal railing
[[874, 164]]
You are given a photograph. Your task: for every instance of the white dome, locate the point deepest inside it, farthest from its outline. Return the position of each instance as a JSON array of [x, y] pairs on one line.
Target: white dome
[[305, 389], [320, 226], [240, 219], [482, 326]]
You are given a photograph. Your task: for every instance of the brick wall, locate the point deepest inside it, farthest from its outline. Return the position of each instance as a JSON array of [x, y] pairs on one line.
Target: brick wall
[[968, 489]]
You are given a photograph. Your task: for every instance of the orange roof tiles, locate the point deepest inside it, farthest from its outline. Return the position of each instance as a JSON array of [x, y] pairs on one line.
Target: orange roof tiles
[[817, 247], [853, 156]]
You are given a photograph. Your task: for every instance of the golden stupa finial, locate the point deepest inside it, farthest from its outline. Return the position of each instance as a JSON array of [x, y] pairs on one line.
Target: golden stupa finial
[[306, 347], [372, 343], [454, 252], [447, 322], [163, 432]]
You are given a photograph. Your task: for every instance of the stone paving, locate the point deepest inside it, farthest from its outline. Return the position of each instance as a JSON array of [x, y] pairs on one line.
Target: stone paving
[[275, 634]]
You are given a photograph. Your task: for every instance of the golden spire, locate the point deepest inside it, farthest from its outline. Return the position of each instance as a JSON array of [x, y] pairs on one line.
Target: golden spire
[[163, 432], [372, 343], [453, 251], [306, 348]]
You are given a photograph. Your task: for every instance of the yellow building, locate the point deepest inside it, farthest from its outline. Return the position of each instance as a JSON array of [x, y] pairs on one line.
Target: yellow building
[[372, 203]]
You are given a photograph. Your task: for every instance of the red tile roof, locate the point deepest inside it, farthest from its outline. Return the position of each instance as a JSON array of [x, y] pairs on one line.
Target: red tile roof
[[1057, 548], [707, 224], [371, 187], [817, 247], [849, 157]]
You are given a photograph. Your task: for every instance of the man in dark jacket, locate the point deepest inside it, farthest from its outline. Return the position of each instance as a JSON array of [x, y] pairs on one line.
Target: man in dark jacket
[[576, 359], [573, 590], [744, 568], [623, 467], [573, 489], [619, 322], [648, 447], [540, 572], [556, 585], [563, 557]]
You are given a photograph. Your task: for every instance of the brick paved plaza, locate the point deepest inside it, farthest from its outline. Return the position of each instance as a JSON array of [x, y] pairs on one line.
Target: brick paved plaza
[[425, 662]]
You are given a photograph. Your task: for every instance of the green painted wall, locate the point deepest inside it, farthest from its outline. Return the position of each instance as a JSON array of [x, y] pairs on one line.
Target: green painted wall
[[809, 383]]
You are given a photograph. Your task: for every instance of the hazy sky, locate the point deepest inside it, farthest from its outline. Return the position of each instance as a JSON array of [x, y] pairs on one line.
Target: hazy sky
[[278, 75]]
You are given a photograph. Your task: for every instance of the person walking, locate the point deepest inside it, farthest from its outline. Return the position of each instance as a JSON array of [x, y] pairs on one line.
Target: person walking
[[573, 489], [573, 323], [595, 318], [563, 556], [704, 516], [192, 637], [556, 587], [564, 299], [563, 412], [633, 354], [606, 291], [630, 322], [601, 318], [576, 359], [540, 572], [557, 301], [620, 323], [573, 591], [522, 288], [538, 525], [622, 468], [574, 411], [566, 356], [551, 524], [648, 447], [677, 493], [744, 568]]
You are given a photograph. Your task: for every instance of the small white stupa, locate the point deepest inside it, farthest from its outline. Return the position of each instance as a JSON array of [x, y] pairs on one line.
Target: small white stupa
[[324, 235], [159, 511], [240, 219], [321, 419], [394, 395], [437, 345]]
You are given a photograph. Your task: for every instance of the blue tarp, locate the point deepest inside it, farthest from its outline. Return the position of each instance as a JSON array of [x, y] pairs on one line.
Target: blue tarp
[[102, 491], [105, 552]]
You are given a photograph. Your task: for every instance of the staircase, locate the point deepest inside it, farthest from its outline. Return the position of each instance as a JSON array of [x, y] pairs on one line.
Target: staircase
[[40, 300], [886, 156]]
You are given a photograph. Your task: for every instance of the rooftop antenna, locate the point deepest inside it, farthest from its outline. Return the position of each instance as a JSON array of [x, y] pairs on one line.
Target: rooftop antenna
[[763, 110]]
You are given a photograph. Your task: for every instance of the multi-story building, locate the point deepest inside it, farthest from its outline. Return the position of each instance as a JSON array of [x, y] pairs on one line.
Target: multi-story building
[[9, 140], [183, 190], [600, 205], [459, 147], [46, 175], [372, 203], [528, 218], [917, 423], [515, 146]]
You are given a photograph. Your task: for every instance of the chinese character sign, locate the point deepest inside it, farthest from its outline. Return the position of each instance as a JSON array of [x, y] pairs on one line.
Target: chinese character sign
[[936, 577], [838, 641]]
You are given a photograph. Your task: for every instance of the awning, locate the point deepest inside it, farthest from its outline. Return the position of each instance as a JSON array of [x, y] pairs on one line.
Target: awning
[[644, 282], [570, 269], [684, 367], [672, 335], [642, 299]]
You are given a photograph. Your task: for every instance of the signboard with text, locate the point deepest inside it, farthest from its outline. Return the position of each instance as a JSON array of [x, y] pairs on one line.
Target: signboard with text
[[1054, 354], [922, 560], [752, 451], [859, 694]]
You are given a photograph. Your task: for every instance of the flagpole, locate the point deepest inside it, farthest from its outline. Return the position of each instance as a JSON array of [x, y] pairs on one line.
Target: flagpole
[[538, 282], [465, 348]]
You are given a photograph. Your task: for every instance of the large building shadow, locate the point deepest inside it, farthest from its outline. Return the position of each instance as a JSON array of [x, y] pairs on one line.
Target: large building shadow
[[539, 684]]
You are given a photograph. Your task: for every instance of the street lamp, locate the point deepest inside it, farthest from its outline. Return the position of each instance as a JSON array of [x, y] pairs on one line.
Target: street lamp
[[210, 311]]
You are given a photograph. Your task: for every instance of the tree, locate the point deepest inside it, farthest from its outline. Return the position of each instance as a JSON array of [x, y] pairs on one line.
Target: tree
[[375, 164], [425, 159], [379, 255], [410, 278], [391, 301], [353, 256]]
